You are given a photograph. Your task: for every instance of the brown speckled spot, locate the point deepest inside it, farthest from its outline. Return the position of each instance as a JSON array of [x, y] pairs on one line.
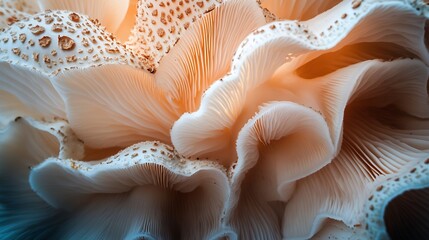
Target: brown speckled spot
[[22, 37], [71, 59], [66, 43], [16, 51], [45, 41], [160, 32], [24, 57], [36, 57], [158, 46], [356, 4], [11, 20], [74, 17], [57, 27], [188, 11], [49, 20], [46, 59], [37, 30]]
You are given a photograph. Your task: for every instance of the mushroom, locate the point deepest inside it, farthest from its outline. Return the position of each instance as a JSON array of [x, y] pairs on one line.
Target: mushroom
[[281, 144], [375, 143], [148, 186], [70, 36], [228, 104], [144, 106], [130, 107], [201, 54], [24, 144], [37, 48], [321, 122]]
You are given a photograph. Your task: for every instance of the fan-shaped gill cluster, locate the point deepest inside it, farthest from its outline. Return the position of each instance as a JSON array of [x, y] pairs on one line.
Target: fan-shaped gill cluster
[[308, 126]]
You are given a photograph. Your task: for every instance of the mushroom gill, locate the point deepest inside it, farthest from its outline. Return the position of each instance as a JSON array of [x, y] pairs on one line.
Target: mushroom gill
[[159, 25], [134, 105], [152, 190], [384, 133], [259, 75], [282, 143], [24, 143], [397, 208], [38, 48], [263, 70], [213, 121]]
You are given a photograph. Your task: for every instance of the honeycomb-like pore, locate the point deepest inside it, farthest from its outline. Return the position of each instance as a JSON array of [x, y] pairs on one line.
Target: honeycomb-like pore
[[161, 23], [53, 41]]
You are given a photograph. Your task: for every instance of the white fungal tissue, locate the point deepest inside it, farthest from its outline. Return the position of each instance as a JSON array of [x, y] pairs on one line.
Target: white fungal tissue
[[214, 119]]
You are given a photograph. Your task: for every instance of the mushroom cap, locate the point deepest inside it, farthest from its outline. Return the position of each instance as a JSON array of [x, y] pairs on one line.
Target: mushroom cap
[[322, 122], [55, 41], [230, 102], [134, 105], [177, 197], [39, 47], [110, 13]]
